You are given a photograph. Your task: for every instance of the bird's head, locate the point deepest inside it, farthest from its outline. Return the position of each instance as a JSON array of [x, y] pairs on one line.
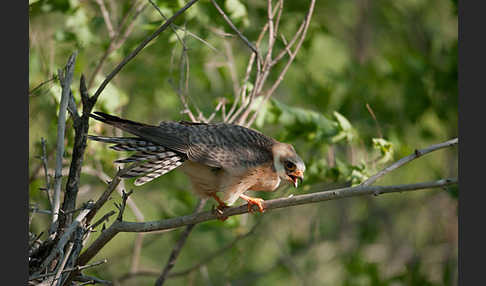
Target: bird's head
[[288, 165]]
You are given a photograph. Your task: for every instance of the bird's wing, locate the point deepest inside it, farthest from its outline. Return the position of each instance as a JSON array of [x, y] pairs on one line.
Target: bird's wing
[[218, 145], [228, 146]]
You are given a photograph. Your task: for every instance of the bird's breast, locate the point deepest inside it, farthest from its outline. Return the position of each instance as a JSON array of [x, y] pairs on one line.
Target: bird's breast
[[264, 178]]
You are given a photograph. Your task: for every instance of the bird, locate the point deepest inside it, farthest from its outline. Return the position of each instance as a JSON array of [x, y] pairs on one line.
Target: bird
[[222, 161]]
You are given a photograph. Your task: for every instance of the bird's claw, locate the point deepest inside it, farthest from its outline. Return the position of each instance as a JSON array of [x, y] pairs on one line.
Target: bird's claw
[[255, 201], [218, 211]]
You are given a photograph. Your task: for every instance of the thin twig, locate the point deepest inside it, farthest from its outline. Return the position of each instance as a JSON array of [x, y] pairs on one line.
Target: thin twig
[[233, 27], [62, 242], [172, 26], [118, 39], [380, 135], [287, 65], [31, 91], [104, 218], [178, 247], [417, 153], [215, 254], [105, 196], [77, 268], [106, 17], [63, 263], [244, 102], [121, 207], [142, 45], [91, 280]]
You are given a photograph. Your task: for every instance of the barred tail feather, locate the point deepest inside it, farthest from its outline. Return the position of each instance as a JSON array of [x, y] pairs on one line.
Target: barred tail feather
[[149, 170], [149, 162], [157, 173]]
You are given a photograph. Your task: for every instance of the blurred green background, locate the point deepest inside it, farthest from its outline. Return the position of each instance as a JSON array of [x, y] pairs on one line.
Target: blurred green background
[[399, 58]]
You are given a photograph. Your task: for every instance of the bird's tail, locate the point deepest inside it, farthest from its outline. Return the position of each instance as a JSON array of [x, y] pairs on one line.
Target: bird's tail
[[150, 160]]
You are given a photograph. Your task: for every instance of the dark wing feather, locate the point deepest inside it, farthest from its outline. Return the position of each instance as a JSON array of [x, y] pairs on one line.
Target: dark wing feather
[[171, 135], [228, 146]]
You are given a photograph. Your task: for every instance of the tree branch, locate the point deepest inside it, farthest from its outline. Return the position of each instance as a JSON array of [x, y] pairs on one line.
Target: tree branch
[[65, 79], [123, 226]]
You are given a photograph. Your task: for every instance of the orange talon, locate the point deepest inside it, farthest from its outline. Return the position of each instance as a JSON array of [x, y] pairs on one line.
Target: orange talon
[[253, 201]]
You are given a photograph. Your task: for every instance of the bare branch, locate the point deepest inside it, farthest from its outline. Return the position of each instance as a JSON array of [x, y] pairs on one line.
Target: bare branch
[[31, 91], [178, 247], [405, 160], [244, 102], [118, 39], [62, 242], [106, 18], [65, 79], [214, 255], [104, 197], [77, 268], [287, 65]]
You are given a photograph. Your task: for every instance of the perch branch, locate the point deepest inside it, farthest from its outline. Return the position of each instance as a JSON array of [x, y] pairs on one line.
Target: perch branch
[[123, 226]]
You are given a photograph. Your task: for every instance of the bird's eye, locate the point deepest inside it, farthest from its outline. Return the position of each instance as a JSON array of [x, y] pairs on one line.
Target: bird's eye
[[289, 166]]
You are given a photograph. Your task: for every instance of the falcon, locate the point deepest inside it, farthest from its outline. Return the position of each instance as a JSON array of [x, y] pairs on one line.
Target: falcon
[[222, 160]]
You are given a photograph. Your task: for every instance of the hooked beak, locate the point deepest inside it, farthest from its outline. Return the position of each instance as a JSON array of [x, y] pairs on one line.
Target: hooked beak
[[295, 176]]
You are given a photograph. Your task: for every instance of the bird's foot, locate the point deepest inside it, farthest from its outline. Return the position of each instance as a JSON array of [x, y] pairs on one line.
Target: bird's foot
[[253, 201], [218, 211]]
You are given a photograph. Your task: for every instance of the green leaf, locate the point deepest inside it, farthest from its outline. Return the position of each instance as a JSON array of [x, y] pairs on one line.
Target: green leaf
[[346, 130], [385, 148]]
